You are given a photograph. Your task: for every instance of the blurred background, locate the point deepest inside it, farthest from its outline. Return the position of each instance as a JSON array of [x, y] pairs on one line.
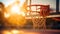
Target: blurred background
[[15, 12], [29, 16]]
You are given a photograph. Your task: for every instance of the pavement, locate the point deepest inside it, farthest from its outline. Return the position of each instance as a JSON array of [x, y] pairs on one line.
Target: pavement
[[29, 31]]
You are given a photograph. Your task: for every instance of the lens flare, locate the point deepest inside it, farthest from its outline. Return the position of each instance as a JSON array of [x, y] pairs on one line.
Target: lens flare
[[16, 14], [6, 15], [15, 9], [15, 32], [22, 2]]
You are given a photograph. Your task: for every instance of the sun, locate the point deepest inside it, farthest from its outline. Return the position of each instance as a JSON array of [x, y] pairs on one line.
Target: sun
[[15, 15], [15, 9]]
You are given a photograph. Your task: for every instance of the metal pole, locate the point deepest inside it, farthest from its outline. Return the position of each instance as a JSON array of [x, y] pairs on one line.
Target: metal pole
[[57, 6], [30, 5]]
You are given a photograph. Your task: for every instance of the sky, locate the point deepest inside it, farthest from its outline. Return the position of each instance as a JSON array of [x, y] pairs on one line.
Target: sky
[[52, 3], [59, 5]]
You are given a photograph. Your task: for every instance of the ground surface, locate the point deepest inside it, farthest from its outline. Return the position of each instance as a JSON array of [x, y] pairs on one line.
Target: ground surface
[[29, 31]]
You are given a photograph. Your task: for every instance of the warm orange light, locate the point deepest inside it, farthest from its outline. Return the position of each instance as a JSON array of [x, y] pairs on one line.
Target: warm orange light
[[17, 20], [22, 2], [15, 9], [16, 14], [19, 32], [6, 15], [6, 32], [15, 32]]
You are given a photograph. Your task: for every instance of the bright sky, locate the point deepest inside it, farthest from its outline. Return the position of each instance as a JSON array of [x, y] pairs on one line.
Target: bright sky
[[49, 2], [52, 3]]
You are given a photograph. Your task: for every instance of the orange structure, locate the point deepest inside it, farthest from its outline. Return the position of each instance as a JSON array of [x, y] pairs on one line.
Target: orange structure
[[44, 11]]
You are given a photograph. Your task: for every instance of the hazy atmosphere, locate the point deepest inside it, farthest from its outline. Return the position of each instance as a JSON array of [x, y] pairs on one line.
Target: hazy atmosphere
[[52, 3]]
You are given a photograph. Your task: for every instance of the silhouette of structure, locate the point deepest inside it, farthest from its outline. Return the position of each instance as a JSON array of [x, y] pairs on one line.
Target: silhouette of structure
[[1, 14]]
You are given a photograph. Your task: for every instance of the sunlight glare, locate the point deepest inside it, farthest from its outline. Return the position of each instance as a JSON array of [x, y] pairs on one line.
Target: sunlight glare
[[6, 15], [15, 9]]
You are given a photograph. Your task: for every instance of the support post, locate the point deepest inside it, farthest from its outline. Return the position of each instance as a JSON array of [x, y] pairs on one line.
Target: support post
[[57, 6]]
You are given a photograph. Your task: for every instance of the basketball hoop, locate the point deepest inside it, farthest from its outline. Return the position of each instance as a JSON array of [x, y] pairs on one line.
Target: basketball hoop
[[44, 11], [40, 23]]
